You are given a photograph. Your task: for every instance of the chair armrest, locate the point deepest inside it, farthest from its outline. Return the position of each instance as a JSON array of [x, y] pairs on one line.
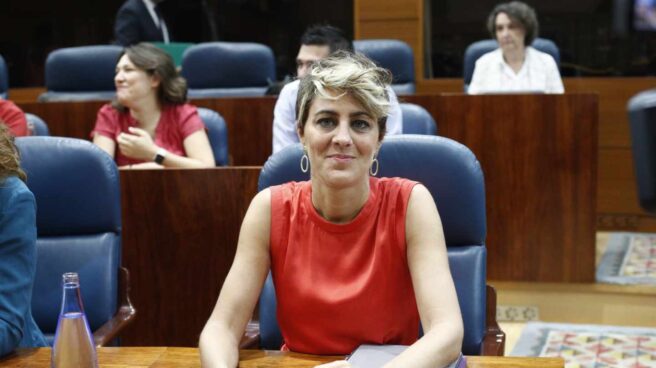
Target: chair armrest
[[123, 317], [494, 341], [251, 337]]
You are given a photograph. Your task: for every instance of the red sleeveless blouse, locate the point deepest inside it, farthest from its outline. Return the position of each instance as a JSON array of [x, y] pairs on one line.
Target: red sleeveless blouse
[[342, 285]]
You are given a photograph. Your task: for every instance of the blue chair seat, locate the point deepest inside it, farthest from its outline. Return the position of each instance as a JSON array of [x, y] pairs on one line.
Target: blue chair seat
[[77, 191], [416, 120], [228, 69], [81, 73], [394, 55], [217, 132]]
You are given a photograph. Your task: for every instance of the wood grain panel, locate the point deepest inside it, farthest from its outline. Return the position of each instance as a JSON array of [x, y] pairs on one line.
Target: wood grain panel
[[538, 154], [614, 94], [142, 357], [441, 85], [180, 230], [387, 9], [617, 186]]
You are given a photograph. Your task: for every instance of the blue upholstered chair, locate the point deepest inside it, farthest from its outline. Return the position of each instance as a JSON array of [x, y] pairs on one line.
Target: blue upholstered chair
[[452, 174], [394, 55], [81, 73], [36, 125], [416, 120], [228, 69], [217, 132], [77, 192], [642, 118], [4, 78], [479, 48]]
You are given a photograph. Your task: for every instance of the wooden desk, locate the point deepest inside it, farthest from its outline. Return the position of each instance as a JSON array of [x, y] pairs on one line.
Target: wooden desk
[[188, 358], [180, 231]]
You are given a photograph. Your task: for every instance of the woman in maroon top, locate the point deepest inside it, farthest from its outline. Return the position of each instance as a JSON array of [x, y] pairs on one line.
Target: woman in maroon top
[[150, 125], [355, 259]]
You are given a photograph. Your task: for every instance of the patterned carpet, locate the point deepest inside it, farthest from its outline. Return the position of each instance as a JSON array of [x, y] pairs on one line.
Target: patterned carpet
[[629, 258], [589, 346]]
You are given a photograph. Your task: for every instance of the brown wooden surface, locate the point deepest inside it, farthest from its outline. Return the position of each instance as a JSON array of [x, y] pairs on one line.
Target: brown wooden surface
[[142, 357], [538, 154], [617, 199], [180, 230]]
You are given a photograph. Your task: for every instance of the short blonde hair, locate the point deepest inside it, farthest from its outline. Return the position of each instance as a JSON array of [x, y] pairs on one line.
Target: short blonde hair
[[346, 73]]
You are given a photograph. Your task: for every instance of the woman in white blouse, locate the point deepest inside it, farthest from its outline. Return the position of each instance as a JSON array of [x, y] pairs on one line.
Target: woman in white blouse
[[514, 66]]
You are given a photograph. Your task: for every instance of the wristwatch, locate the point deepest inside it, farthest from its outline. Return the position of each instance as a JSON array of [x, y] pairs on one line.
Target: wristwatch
[[160, 155]]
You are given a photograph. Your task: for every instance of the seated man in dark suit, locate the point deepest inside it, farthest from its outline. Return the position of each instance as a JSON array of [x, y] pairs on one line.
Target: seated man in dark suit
[[140, 21]]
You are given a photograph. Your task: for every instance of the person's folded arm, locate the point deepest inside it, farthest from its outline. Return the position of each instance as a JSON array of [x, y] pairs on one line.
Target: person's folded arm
[[17, 267], [435, 292], [219, 341]]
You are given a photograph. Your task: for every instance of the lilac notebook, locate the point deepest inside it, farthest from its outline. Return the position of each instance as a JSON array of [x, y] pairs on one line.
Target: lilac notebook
[[376, 356]]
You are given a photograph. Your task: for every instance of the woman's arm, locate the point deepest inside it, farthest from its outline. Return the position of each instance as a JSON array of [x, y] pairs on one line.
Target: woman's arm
[[105, 143], [436, 295], [219, 341], [140, 145]]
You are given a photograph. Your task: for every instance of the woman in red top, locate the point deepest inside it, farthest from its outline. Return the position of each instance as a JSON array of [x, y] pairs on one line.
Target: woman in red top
[[150, 122], [355, 259]]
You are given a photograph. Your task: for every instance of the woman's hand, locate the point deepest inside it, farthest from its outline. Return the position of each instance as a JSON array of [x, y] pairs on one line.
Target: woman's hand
[[335, 364], [138, 145]]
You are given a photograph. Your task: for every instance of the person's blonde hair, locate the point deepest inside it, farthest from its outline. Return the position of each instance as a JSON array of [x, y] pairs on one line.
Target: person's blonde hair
[[9, 157], [346, 73]]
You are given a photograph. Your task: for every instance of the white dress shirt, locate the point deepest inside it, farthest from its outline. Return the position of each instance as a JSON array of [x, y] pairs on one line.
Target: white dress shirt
[[539, 73], [284, 116]]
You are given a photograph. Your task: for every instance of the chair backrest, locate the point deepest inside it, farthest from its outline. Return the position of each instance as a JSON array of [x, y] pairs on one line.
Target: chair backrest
[[228, 69], [452, 174], [36, 125], [77, 191], [642, 118], [217, 132], [81, 73], [394, 55], [416, 120], [4, 78], [479, 48]]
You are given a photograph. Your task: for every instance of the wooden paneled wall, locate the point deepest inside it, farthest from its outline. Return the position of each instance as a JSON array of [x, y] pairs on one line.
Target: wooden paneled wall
[[395, 19], [617, 198]]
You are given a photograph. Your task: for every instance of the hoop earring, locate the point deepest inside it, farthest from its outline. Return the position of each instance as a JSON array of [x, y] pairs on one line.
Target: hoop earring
[[373, 172], [305, 162]]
